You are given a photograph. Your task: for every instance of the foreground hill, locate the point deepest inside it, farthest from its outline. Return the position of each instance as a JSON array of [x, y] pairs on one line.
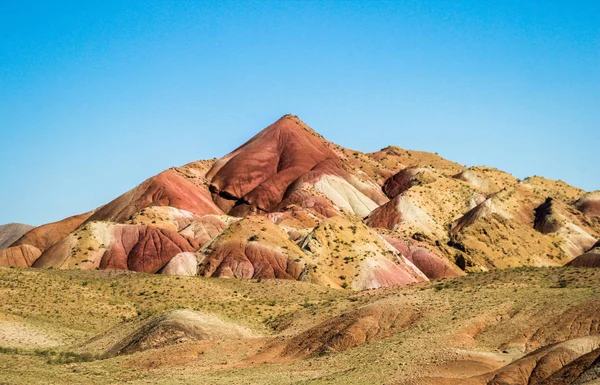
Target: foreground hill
[[516, 326], [289, 204]]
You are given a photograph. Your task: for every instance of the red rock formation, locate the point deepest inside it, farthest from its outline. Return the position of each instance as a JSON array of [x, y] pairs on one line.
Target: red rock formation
[[334, 167], [399, 245], [430, 264], [386, 216], [402, 209], [165, 189], [243, 259], [20, 256], [299, 180], [405, 179], [288, 158], [47, 235], [580, 371], [56, 256], [258, 173], [144, 249]]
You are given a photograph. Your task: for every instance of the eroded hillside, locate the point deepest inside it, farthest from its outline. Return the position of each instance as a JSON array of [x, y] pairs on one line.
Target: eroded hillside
[[336, 216]]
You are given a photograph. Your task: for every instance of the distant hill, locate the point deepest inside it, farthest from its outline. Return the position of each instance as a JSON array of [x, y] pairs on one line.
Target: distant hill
[[11, 232]]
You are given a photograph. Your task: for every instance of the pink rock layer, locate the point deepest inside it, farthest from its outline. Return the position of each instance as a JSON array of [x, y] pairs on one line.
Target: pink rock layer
[[432, 265], [144, 249]]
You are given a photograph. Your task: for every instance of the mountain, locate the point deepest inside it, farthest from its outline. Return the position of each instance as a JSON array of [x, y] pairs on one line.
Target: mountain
[[289, 204], [10, 232], [293, 259]]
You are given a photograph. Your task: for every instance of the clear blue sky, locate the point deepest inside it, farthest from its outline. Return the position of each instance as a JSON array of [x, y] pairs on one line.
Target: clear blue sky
[[96, 96]]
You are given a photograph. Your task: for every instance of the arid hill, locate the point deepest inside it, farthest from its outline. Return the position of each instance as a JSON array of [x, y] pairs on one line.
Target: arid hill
[[325, 214]]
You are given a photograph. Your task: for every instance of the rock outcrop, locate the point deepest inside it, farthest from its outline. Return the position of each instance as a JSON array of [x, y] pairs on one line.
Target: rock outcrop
[[349, 254], [546, 219], [185, 264], [540, 366], [206, 228], [290, 162], [144, 249], [401, 210]]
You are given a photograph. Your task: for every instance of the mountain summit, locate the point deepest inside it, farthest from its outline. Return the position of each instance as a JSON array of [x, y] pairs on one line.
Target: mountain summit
[[255, 176]]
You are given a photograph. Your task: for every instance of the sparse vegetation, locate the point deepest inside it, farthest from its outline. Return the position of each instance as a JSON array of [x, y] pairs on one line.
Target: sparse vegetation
[[270, 307]]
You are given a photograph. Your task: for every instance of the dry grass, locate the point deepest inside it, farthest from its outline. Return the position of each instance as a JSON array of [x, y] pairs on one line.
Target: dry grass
[[483, 312]]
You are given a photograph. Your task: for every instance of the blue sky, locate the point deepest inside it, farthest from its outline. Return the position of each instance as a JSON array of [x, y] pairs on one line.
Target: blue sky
[[95, 97]]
